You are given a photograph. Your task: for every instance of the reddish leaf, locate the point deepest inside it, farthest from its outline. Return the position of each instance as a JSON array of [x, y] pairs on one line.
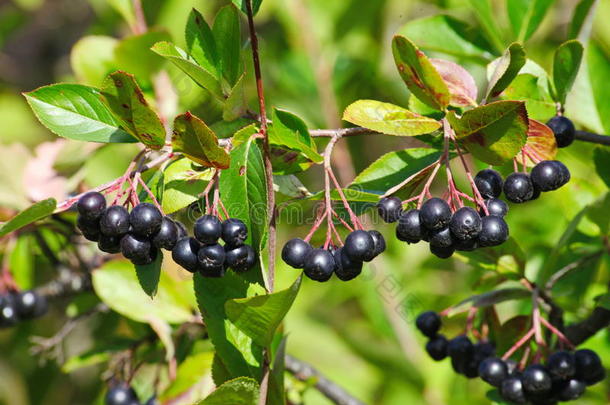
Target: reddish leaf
[[540, 143], [460, 83]]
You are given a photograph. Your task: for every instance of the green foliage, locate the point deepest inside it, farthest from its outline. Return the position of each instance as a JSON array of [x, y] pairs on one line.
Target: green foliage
[[240, 391], [505, 69], [35, 212], [149, 275], [198, 142], [565, 68], [525, 16]]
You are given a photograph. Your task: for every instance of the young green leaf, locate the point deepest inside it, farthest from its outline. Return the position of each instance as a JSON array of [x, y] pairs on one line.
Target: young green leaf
[[126, 100], [460, 83], [493, 133], [133, 53], [200, 43], [505, 69], [256, 4], [290, 186], [538, 101], [582, 20], [526, 15], [484, 13], [419, 75], [149, 275], [35, 212], [195, 368], [240, 391], [540, 143], [260, 316], [76, 112], [227, 34], [198, 142], [92, 58], [235, 105], [182, 184], [565, 68], [598, 62], [291, 131], [601, 157], [388, 118]]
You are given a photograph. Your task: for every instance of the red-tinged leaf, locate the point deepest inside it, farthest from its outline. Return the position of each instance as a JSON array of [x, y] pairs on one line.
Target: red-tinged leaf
[[198, 142], [460, 83], [540, 144], [505, 69], [419, 74]]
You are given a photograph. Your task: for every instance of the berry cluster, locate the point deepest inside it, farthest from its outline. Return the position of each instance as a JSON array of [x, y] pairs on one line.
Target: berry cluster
[[204, 254], [547, 175], [123, 394], [25, 305], [319, 264]]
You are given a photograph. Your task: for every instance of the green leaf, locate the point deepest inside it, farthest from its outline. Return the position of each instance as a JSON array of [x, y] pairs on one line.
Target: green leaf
[[493, 133], [394, 167], [227, 34], [260, 316], [201, 76], [22, 261], [35, 212], [191, 373], [76, 112], [599, 78], [101, 353], [565, 68], [507, 260], [241, 4], [538, 101], [183, 184], [601, 157], [486, 16], [117, 285], [92, 58], [240, 391], [419, 75], [582, 20], [490, 298], [598, 213], [526, 15], [125, 8], [505, 69], [461, 84], [290, 185], [291, 131], [200, 43], [149, 275], [388, 118], [443, 33], [133, 54], [235, 105], [198, 142], [126, 100]]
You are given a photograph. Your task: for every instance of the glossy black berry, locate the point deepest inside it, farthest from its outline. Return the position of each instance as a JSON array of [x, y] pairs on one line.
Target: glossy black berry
[[563, 129], [512, 390], [548, 175], [211, 260], [536, 380], [518, 187], [441, 238], [588, 366], [379, 245], [182, 231], [29, 304], [121, 394], [137, 249], [389, 208], [237, 258], [442, 252], [345, 268], [295, 252], [208, 229], [145, 220], [489, 183], [460, 348], [484, 350], [466, 245], [494, 231], [234, 232], [359, 245], [465, 223], [89, 229], [114, 221], [437, 347], [109, 244], [409, 227], [250, 260], [167, 236], [8, 311], [91, 205], [428, 323], [435, 214], [319, 265], [561, 365], [185, 254], [570, 390], [493, 371], [495, 206]]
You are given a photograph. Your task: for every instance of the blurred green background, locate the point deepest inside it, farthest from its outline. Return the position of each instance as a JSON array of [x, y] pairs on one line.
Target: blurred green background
[[318, 56]]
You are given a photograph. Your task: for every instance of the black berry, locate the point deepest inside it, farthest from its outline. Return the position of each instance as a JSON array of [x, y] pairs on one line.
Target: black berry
[[466, 245], [359, 245], [518, 187], [460, 348], [167, 236], [145, 220], [435, 214], [512, 390], [442, 252], [409, 227], [389, 208], [437, 347], [182, 232], [441, 238], [91, 205], [185, 254], [561, 365], [570, 390], [208, 229], [548, 175], [211, 260], [379, 245], [493, 371], [234, 232], [137, 249], [29, 304], [109, 244], [237, 258], [428, 323], [563, 129], [496, 207], [588, 366], [121, 394], [536, 380], [465, 223], [295, 252], [319, 265], [489, 183], [250, 260], [494, 231], [345, 268], [89, 229], [8, 311], [114, 221]]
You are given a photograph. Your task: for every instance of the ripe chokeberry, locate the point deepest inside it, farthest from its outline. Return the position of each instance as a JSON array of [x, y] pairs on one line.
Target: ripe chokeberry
[[185, 254], [295, 252], [211, 260], [182, 232], [120, 394], [428, 323], [512, 390], [389, 208], [435, 214], [518, 187], [489, 183], [548, 175], [442, 252], [409, 227], [345, 268], [493, 371], [536, 380], [379, 245], [237, 258], [29, 304], [588, 366], [460, 348], [495, 206], [137, 249], [167, 236], [114, 221], [465, 223], [561, 365], [207, 229], [145, 220], [437, 347], [441, 238], [570, 390], [359, 245], [319, 265], [89, 229], [109, 244], [234, 232], [8, 311], [494, 231], [91, 205], [563, 129], [466, 245]]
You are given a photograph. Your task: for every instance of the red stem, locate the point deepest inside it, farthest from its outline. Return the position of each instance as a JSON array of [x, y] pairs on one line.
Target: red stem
[[519, 343]]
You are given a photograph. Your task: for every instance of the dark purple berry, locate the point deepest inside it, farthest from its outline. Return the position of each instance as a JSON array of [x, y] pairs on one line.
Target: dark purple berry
[[465, 224], [182, 232], [493, 371], [548, 175], [494, 231], [441, 238], [428, 323], [319, 265], [389, 208], [512, 390], [588, 366], [120, 394], [89, 229], [237, 258], [437, 347], [137, 249], [409, 228], [109, 244], [211, 260], [114, 221], [167, 236], [466, 245], [442, 252], [91, 206], [460, 347], [208, 229], [435, 214], [561, 365], [570, 390], [379, 245], [345, 268], [496, 207], [536, 380], [8, 311], [518, 187], [295, 252], [145, 220], [234, 232], [563, 129], [185, 254], [359, 245], [489, 183], [30, 304]]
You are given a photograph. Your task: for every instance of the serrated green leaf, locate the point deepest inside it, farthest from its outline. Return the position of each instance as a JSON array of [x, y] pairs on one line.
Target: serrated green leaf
[[76, 112], [582, 20], [505, 69], [92, 58], [33, 213], [388, 118], [197, 141], [526, 15], [183, 184], [200, 43], [126, 100], [241, 4], [493, 133], [240, 391], [133, 54], [227, 34], [149, 275], [235, 105], [507, 260], [291, 131], [484, 13], [419, 75], [538, 101], [260, 316], [601, 157], [566, 63]]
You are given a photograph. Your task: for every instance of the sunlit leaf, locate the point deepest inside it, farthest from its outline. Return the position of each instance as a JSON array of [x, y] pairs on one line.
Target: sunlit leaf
[[565, 68], [540, 144], [198, 142], [35, 212], [505, 69], [461, 84]]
